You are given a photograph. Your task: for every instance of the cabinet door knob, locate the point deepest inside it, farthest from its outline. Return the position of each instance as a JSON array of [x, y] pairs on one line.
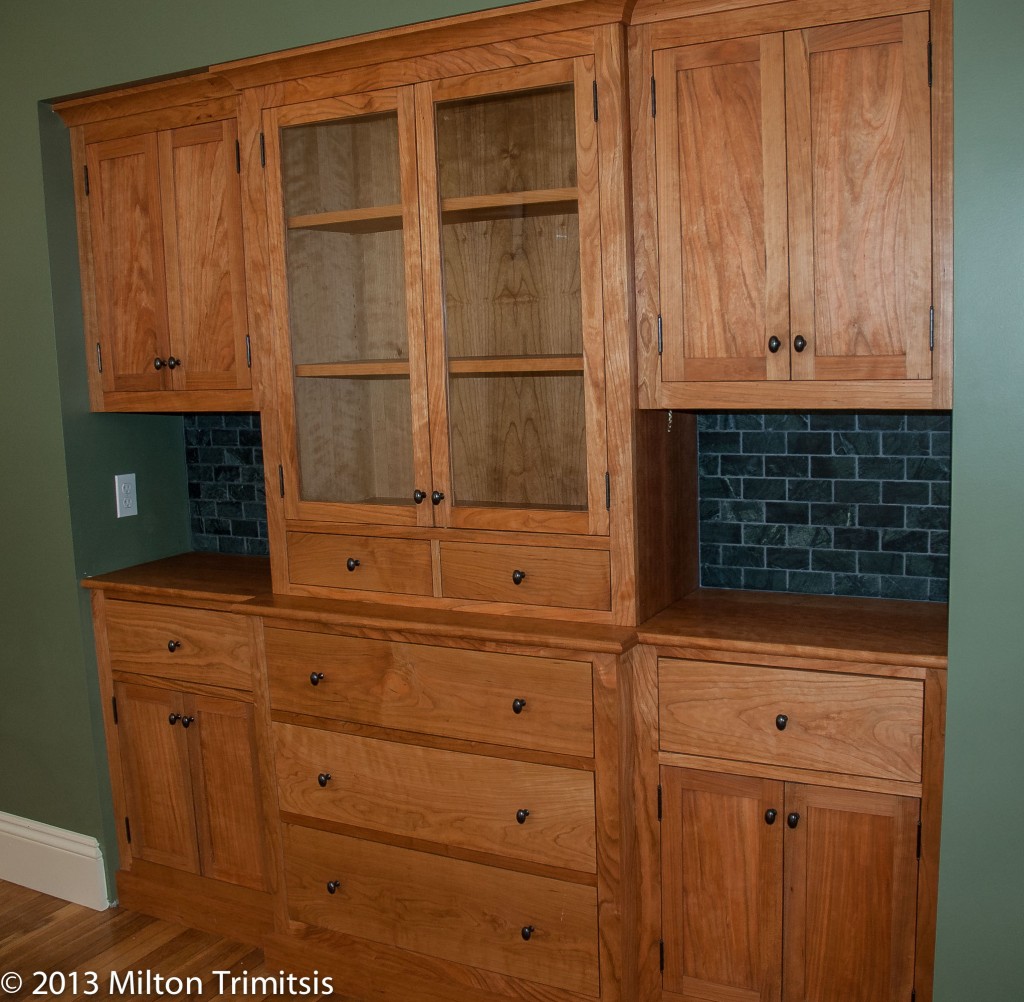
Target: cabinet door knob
[[324, 778], [173, 718], [437, 497], [518, 705], [518, 577], [351, 563], [774, 344], [419, 496], [781, 720], [158, 363], [793, 819], [172, 362], [526, 932], [770, 815], [316, 677], [521, 815], [185, 721], [173, 645], [332, 886], [799, 342]]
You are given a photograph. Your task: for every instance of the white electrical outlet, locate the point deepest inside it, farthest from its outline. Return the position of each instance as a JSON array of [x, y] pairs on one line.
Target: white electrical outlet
[[127, 502]]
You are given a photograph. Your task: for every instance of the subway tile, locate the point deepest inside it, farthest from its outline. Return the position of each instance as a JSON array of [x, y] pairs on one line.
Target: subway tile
[[722, 442], [927, 565], [743, 556], [913, 492], [721, 577], [938, 542], [904, 540], [881, 468], [858, 585], [742, 511], [942, 443], [788, 558], [915, 589], [880, 563], [784, 421], [765, 489], [710, 553], [833, 421], [719, 487], [881, 515], [834, 467], [721, 532], [881, 421], [936, 517], [814, 443], [926, 421], [764, 535], [708, 464], [834, 514], [906, 443], [938, 590], [741, 422], [857, 443], [786, 466], [763, 443], [812, 536], [857, 539], [934, 468], [809, 490], [787, 512], [833, 560], [811, 582], [742, 466], [858, 491], [940, 493], [756, 579]]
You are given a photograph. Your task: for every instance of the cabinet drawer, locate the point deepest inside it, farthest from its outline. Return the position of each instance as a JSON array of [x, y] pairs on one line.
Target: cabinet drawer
[[811, 720], [186, 645], [547, 575], [435, 690], [393, 565], [447, 908], [446, 797]]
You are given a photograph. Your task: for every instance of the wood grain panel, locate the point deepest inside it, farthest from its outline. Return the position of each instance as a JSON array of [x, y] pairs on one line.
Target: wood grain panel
[[447, 908], [435, 690], [211, 647], [843, 723], [446, 797], [394, 565]]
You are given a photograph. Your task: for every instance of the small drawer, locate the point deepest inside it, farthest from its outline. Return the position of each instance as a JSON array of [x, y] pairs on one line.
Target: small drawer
[[529, 927], [505, 699], [185, 645], [527, 575], [360, 563], [471, 801], [854, 724]]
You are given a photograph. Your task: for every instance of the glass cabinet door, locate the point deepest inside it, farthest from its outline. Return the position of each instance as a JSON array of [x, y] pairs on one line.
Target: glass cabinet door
[[348, 248], [518, 234]]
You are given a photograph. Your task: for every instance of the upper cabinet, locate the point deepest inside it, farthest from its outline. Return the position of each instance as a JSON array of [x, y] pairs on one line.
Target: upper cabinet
[[161, 254], [790, 198]]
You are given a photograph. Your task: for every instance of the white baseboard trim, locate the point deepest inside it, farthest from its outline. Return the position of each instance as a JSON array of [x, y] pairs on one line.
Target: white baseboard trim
[[54, 861]]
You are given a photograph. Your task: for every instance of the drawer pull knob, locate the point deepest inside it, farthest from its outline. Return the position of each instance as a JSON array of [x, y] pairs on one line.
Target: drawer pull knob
[[774, 344], [521, 815], [173, 645], [770, 815], [526, 932], [173, 718], [518, 577], [799, 342], [158, 363], [172, 362], [518, 705], [316, 677], [324, 778], [793, 819], [781, 720], [185, 721], [332, 886], [419, 496], [351, 563], [437, 497]]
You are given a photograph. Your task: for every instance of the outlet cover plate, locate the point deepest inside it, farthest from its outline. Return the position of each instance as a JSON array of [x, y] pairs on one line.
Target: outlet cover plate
[[127, 501]]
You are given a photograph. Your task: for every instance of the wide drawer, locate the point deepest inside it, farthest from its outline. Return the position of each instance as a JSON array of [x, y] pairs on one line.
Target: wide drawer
[[186, 645], [448, 908], [451, 798], [526, 702], [527, 575], [360, 563], [853, 724]]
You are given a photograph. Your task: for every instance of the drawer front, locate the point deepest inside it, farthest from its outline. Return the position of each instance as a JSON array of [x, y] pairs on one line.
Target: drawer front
[[455, 693], [448, 908], [811, 720], [546, 575], [393, 565], [446, 797], [187, 645]]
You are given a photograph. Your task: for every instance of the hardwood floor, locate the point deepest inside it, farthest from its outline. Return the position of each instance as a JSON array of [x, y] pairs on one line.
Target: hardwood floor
[[131, 955]]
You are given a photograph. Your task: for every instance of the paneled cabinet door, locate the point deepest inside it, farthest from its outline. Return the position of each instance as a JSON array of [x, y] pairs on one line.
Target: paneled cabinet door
[[784, 891], [794, 204], [166, 242]]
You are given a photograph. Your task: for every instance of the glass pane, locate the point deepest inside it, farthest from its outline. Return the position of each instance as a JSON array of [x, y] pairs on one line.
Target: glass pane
[[519, 441], [355, 440]]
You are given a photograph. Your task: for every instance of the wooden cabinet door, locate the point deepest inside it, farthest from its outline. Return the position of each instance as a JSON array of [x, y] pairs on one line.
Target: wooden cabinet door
[[158, 785], [226, 781], [722, 237], [205, 267], [851, 895], [721, 875], [858, 118], [126, 224]]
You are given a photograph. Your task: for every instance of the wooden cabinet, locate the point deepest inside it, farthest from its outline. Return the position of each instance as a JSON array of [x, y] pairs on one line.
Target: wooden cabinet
[[793, 179], [161, 253]]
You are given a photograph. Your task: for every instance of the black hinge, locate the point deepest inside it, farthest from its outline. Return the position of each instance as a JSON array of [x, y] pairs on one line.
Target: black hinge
[[127, 829], [595, 100], [263, 150], [85, 171], [654, 97], [113, 700], [660, 344], [931, 329], [661, 954], [929, 64], [659, 801], [919, 840], [280, 478], [238, 158], [99, 357], [913, 995], [248, 352], [607, 491]]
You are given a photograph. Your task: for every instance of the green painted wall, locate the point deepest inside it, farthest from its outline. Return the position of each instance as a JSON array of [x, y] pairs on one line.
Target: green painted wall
[[58, 460]]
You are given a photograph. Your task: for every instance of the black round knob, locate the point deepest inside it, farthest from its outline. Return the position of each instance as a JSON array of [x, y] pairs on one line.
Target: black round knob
[[173, 718], [332, 886], [173, 645], [781, 720], [518, 577], [185, 721], [172, 362], [521, 815], [351, 563], [518, 705], [323, 778], [799, 342], [774, 344], [316, 677], [419, 496], [793, 819], [437, 497], [158, 363], [526, 932], [770, 815]]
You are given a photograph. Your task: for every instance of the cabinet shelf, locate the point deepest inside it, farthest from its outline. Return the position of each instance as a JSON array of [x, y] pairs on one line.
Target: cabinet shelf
[[372, 219], [504, 365], [354, 370], [508, 205]]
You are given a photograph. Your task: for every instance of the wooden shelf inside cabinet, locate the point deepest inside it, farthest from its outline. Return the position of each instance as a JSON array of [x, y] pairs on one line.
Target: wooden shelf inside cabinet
[[518, 365], [372, 219], [509, 205], [371, 368]]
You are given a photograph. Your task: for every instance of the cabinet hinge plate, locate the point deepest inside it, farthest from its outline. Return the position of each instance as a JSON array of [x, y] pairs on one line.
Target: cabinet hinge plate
[[661, 955], [660, 342], [99, 357], [113, 701], [929, 64], [248, 352], [654, 97], [127, 829], [280, 478], [607, 491], [659, 801], [595, 100], [931, 329], [85, 171], [263, 150], [238, 157], [919, 840]]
